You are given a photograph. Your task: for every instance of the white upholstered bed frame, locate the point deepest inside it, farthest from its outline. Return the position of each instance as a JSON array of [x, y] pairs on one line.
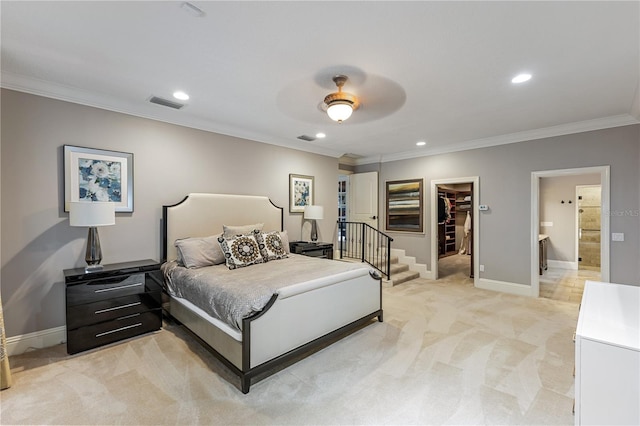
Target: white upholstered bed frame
[[302, 317]]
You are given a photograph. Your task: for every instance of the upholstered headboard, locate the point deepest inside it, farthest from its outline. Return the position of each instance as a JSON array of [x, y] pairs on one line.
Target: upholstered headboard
[[202, 215]]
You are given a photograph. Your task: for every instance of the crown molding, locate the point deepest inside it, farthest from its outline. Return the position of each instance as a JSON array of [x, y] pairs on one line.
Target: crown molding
[[545, 132], [107, 102], [71, 94]]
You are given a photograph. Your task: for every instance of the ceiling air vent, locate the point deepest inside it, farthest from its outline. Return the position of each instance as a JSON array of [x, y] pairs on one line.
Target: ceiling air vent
[[306, 138], [165, 102]]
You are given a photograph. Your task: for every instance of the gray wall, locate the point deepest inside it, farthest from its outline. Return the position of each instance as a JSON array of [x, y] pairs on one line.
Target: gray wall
[[562, 235], [505, 185], [169, 162]]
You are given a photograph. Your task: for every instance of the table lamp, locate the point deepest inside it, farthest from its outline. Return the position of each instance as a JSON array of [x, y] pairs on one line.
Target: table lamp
[[92, 214], [312, 213]]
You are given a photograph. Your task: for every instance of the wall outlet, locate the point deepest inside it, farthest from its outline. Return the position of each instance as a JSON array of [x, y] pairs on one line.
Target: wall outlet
[[617, 236], [483, 207], [481, 268]]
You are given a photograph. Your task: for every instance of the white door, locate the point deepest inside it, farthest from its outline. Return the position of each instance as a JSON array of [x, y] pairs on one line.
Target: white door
[[363, 198]]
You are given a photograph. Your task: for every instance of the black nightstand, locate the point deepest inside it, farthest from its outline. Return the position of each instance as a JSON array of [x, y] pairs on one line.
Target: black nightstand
[[121, 301], [309, 248]]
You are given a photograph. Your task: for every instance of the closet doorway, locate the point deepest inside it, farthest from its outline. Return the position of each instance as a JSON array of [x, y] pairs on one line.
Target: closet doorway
[[454, 229]]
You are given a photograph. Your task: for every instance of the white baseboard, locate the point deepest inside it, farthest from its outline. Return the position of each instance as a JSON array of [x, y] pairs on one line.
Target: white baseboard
[[422, 270], [562, 264], [17, 345], [505, 287]]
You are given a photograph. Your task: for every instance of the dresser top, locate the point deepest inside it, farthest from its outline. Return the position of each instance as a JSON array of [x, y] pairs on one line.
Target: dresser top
[[610, 313]]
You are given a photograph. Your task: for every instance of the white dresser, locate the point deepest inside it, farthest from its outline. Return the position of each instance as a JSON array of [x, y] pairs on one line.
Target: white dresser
[[607, 386]]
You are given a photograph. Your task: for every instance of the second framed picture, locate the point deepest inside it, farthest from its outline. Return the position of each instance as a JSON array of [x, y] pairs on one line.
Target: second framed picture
[[404, 205], [300, 192]]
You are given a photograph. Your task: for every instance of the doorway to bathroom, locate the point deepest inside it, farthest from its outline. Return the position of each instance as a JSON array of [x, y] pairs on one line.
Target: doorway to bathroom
[[568, 217]]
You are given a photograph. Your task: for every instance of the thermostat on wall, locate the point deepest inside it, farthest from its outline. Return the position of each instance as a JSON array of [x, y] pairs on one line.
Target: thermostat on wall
[[483, 207]]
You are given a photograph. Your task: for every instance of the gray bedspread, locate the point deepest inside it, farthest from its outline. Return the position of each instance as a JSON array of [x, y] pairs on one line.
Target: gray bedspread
[[231, 295]]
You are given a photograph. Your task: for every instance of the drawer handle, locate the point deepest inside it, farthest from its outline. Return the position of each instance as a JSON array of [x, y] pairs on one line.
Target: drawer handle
[[102, 290], [102, 311], [118, 329], [128, 316]]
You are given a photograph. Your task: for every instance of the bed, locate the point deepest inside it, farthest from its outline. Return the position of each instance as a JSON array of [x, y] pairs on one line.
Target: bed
[[299, 317]]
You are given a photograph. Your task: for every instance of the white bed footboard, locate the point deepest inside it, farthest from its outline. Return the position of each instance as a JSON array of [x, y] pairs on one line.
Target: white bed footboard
[[297, 320]]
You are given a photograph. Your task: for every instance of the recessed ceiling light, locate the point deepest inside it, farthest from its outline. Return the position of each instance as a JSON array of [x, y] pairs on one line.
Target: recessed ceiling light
[[320, 135], [180, 95], [521, 78], [421, 143]]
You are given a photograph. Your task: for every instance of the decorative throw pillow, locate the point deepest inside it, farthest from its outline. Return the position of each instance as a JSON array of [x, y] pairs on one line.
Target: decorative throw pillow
[[271, 245], [231, 230], [199, 251], [240, 250]]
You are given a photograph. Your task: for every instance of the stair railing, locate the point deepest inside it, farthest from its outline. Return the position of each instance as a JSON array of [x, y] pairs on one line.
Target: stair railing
[[359, 240]]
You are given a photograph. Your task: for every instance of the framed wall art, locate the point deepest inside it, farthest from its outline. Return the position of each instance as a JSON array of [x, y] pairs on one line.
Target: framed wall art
[[300, 192], [98, 175], [405, 205]]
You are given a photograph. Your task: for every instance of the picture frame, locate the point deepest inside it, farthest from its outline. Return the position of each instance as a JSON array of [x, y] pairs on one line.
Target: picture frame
[[98, 175], [301, 192], [404, 205]]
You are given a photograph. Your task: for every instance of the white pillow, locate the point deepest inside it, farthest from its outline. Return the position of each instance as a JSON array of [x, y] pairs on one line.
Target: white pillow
[[197, 252], [231, 230], [285, 240]]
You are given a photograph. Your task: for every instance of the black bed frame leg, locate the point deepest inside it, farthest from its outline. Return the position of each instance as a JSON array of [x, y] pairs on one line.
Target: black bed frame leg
[[245, 382], [380, 317]]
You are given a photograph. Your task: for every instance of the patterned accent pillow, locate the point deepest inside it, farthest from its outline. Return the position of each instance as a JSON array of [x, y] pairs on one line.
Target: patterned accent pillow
[[240, 251], [271, 245]]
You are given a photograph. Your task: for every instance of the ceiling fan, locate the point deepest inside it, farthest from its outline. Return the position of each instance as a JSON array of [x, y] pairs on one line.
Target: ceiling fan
[[340, 105]]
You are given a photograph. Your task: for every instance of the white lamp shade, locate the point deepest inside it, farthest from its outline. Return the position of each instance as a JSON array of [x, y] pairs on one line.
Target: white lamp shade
[[339, 111], [86, 213], [313, 212]]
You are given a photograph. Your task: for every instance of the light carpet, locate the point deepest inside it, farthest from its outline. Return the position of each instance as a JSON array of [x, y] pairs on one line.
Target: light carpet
[[447, 353]]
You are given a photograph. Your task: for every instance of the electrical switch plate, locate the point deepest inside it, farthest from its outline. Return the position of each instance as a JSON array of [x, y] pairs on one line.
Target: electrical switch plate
[[483, 207], [617, 236], [481, 268]]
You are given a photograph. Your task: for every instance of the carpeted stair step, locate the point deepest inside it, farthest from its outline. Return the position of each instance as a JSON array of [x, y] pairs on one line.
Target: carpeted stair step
[[400, 273]]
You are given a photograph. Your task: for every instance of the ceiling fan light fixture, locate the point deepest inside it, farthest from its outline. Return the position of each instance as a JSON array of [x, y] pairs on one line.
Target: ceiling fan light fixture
[[339, 110], [340, 105]]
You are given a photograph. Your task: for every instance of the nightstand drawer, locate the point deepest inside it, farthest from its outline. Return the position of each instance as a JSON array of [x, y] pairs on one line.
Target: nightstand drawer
[[92, 336], [105, 310], [108, 288]]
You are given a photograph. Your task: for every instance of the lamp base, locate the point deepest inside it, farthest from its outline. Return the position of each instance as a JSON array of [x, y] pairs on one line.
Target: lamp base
[[93, 268], [93, 255], [314, 231]]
